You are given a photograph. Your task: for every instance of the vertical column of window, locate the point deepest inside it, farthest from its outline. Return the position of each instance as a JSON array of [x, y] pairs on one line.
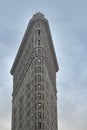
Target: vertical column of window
[[39, 105], [38, 36]]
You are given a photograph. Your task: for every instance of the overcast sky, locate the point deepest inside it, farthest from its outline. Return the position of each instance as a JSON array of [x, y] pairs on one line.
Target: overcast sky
[[68, 24]]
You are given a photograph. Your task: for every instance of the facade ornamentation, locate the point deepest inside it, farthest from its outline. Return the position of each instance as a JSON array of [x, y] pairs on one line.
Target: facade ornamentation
[[34, 102]]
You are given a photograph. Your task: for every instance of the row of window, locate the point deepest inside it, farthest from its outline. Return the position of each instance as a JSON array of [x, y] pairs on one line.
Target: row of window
[[39, 105], [39, 115], [39, 87], [39, 78], [39, 125], [39, 96], [39, 70], [38, 61]]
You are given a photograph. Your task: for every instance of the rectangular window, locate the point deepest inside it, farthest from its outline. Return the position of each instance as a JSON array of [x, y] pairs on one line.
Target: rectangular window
[[39, 51], [32, 39], [42, 70], [35, 70], [38, 115], [39, 42], [39, 105], [39, 60], [39, 78], [43, 79], [39, 87], [39, 96], [39, 69], [39, 32], [35, 78], [39, 125]]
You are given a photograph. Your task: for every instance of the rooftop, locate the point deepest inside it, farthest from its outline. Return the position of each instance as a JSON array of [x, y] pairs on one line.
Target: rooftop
[[38, 15]]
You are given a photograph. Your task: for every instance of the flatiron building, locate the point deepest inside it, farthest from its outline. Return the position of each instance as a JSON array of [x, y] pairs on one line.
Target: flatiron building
[[34, 97]]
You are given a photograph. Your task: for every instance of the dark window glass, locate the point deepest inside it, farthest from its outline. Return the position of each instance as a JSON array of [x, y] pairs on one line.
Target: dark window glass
[[43, 78], [42, 70], [35, 78], [32, 40], [35, 70], [39, 32], [39, 125], [39, 42]]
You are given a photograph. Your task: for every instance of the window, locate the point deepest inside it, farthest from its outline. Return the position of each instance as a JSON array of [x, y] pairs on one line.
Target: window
[[39, 52], [39, 60], [39, 42], [39, 78], [43, 79], [39, 87], [39, 69], [42, 70], [32, 40], [39, 105], [39, 32], [38, 96], [38, 115], [35, 70], [39, 125], [35, 61], [35, 52], [35, 78]]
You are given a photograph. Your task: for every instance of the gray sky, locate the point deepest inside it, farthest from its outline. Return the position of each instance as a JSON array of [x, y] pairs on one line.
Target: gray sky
[[68, 24]]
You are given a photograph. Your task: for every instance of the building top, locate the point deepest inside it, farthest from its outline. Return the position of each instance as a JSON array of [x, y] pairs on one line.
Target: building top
[[35, 17], [38, 15]]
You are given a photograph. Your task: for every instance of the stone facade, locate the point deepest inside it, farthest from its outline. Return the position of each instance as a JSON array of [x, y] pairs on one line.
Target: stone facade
[[34, 102]]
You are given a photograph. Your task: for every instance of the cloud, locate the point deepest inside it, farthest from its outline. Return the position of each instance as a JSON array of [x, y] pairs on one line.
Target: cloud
[[68, 25]]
